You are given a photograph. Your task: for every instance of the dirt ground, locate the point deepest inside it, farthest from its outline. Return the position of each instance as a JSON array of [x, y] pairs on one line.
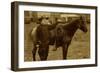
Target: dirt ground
[[78, 49]]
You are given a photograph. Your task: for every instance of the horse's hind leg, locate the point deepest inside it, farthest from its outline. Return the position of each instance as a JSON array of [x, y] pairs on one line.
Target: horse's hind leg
[[34, 52]]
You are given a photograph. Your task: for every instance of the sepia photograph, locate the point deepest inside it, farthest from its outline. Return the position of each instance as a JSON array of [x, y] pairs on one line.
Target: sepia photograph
[[56, 36], [52, 36]]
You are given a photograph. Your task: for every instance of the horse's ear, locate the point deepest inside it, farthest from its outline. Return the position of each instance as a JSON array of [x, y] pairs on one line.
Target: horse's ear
[[82, 17]]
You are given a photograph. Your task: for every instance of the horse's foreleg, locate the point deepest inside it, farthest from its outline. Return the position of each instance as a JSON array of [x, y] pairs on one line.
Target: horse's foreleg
[[34, 53], [65, 51], [43, 53]]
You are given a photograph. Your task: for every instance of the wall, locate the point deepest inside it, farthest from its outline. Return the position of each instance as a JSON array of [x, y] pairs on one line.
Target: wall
[[5, 36]]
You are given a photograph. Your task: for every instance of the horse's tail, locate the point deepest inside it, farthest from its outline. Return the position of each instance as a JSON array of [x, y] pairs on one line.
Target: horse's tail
[[32, 34]]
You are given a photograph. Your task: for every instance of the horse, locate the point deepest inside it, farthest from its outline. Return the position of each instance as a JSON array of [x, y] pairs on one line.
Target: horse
[[64, 33], [41, 38], [62, 36]]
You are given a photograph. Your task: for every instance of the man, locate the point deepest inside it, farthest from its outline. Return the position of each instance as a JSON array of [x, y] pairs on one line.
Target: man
[[44, 20]]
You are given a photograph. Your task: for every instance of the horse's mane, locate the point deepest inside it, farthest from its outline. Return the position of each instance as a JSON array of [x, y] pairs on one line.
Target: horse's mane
[[71, 24]]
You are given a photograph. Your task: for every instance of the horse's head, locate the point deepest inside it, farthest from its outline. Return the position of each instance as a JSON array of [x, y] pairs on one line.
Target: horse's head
[[82, 25]]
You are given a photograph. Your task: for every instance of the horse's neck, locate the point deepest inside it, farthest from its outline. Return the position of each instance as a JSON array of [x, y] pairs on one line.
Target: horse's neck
[[72, 27]]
